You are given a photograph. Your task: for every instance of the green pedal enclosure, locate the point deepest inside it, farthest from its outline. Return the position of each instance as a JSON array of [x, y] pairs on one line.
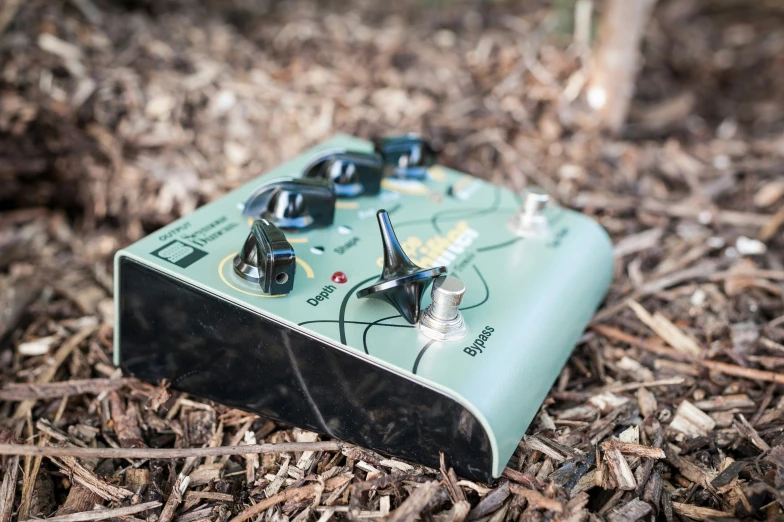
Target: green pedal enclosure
[[355, 369]]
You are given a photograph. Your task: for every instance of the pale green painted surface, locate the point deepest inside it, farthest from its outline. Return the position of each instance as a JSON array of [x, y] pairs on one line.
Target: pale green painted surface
[[542, 293]]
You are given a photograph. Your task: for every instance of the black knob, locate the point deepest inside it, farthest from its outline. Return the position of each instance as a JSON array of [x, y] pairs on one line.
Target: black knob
[[402, 283], [293, 203], [406, 156], [352, 173], [267, 258]]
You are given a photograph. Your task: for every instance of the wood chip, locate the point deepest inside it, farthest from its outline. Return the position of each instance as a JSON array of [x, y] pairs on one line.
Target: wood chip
[[699, 513], [747, 431], [691, 420], [536, 499], [535, 443], [8, 489], [175, 498], [647, 402], [491, 503], [728, 473], [288, 494], [415, 503], [690, 470], [667, 330], [458, 512], [40, 346], [619, 469], [637, 450], [635, 509]]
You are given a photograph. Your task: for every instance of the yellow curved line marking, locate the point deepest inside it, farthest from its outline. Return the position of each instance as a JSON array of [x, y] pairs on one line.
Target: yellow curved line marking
[[306, 267], [223, 278], [436, 173], [462, 184], [347, 205], [308, 272], [410, 189]]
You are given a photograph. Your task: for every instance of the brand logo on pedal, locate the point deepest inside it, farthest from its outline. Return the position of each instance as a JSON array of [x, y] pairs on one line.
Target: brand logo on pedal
[[180, 254]]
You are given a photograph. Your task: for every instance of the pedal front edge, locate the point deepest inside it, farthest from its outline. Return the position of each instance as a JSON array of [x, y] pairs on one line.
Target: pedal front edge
[[203, 344]]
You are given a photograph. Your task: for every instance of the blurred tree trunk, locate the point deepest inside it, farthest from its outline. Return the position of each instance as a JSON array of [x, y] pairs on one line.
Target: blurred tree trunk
[[8, 9], [616, 60]]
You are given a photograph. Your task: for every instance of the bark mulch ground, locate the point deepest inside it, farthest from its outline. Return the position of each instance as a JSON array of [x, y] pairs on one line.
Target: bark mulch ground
[[118, 117]]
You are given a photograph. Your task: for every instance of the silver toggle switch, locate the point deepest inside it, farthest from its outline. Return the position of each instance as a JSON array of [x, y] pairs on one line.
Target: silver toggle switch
[[530, 220], [442, 320]]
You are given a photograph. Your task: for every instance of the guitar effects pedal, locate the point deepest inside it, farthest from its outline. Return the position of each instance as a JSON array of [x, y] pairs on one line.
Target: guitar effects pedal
[[366, 293]]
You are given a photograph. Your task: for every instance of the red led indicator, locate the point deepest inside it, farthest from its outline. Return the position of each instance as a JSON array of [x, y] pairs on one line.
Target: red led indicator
[[339, 278]]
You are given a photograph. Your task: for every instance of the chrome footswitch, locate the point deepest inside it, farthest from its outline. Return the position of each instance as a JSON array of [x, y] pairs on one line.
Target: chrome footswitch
[[442, 320], [530, 220]]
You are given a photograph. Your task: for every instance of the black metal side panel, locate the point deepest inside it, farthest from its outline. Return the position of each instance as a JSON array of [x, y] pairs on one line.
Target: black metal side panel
[[214, 349]]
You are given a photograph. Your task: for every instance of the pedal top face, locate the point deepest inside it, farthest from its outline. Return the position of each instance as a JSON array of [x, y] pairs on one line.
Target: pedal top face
[[525, 304]]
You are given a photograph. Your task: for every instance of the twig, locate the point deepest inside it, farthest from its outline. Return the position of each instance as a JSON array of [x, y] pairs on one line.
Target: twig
[[618, 335], [59, 358], [32, 466], [672, 381], [726, 368], [773, 275], [167, 453], [697, 272], [103, 514], [740, 371], [174, 500], [88, 479], [688, 210], [25, 391]]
